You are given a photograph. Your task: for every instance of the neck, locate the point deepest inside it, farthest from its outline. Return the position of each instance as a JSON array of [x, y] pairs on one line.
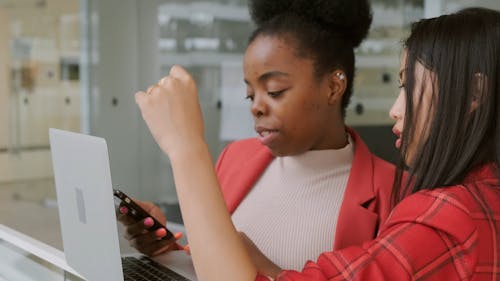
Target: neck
[[336, 136]]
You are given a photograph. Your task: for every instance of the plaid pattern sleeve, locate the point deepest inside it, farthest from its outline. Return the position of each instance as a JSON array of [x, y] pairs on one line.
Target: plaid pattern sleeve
[[444, 234]]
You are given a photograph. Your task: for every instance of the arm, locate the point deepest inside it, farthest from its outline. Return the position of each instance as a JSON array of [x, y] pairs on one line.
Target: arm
[[264, 264], [205, 216], [426, 238]]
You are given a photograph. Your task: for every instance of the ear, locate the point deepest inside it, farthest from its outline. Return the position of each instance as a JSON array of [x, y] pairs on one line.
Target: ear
[[337, 84]]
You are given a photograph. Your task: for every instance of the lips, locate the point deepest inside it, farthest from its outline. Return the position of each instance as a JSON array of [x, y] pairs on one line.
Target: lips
[[398, 135], [266, 135]]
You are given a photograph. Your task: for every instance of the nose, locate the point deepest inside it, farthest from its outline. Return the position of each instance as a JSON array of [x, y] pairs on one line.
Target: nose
[[398, 108], [259, 106]]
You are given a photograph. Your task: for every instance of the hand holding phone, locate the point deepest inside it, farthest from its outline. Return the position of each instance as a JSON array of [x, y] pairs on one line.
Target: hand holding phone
[[138, 213]]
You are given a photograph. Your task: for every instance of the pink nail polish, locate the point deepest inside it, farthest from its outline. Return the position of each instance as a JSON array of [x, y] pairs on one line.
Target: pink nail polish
[[160, 233], [123, 210], [148, 222]]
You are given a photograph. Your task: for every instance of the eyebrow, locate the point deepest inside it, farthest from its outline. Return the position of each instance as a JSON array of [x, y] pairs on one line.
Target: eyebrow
[[269, 75]]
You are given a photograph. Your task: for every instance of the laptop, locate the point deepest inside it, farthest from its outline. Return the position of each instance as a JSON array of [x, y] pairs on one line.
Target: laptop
[[88, 219]]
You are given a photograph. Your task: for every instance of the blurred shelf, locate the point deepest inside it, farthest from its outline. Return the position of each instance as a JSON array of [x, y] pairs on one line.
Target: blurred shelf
[[214, 59], [199, 58], [376, 61], [194, 11]]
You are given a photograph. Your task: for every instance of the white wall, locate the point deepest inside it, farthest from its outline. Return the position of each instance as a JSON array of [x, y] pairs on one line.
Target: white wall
[[123, 60]]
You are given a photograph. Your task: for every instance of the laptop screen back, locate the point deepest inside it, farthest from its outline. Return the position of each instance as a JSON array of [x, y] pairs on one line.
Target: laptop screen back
[[86, 204]]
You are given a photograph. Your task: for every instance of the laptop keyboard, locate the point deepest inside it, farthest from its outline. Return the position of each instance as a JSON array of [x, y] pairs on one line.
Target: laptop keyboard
[[145, 269]]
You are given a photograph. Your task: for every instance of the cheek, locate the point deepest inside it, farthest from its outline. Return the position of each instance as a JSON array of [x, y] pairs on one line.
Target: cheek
[[311, 107], [307, 120], [311, 99], [303, 109]]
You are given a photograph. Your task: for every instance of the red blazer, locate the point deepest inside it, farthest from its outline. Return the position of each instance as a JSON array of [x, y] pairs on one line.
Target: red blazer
[[445, 234], [366, 203]]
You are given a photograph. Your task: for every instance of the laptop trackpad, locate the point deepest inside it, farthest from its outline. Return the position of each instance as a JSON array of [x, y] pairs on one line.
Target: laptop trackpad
[[178, 261]]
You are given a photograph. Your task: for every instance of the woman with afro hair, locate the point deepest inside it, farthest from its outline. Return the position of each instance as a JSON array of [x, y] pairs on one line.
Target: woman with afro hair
[[307, 183]]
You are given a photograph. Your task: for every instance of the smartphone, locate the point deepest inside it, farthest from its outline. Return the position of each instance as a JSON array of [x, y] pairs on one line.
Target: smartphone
[[138, 213]]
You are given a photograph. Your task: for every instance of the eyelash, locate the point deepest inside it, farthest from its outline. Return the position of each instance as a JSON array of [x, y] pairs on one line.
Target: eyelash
[[275, 94], [271, 94]]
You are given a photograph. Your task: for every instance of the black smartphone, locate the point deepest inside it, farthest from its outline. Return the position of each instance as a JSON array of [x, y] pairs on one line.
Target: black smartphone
[[138, 213]]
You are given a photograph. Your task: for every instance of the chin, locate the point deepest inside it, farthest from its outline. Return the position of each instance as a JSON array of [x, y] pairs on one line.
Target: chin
[[278, 151]]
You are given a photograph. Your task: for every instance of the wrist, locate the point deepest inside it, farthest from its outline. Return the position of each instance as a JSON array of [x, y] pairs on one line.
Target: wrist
[[188, 150]]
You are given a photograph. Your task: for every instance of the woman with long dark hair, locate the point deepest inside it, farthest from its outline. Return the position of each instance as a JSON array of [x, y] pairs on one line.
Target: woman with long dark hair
[[445, 223]]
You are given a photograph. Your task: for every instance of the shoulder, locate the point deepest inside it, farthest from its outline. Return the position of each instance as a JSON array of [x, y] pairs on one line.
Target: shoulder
[[241, 153], [240, 164], [367, 164], [242, 149], [446, 209], [245, 146]]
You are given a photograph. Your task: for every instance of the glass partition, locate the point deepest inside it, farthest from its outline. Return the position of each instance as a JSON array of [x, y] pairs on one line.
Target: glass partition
[[39, 89]]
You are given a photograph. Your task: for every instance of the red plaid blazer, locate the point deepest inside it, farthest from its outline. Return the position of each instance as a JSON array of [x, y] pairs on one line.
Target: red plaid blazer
[[450, 233]]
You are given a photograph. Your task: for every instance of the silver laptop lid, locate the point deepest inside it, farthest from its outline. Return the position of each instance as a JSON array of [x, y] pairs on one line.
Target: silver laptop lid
[[86, 205]]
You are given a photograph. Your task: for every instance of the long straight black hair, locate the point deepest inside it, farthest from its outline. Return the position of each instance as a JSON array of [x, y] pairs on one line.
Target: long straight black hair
[[462, 130]]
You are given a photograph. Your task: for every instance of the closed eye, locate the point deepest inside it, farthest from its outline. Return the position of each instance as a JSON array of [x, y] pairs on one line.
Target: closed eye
[[276, 93]]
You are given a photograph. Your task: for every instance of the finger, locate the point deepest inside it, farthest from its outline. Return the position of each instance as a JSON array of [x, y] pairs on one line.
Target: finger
[[147, 206], [123, 217], [160, 233], [178, 235], [155, 250], [187, 249], [140, 98], [179, 72], [151, 246], [121, 212], [147, 239], [136, 229], [163, 81]]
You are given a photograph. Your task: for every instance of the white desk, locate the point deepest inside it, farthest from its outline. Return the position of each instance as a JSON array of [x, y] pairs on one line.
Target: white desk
[[23, 258]]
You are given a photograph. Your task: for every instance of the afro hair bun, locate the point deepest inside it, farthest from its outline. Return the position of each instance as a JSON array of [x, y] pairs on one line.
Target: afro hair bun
[[350, 18]]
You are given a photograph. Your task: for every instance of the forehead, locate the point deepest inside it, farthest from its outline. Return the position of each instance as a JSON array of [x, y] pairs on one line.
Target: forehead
[[272, 52], [403, 60], [419, 69]]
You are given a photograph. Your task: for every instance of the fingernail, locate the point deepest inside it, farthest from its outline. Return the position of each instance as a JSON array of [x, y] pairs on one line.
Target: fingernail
[[178, 235], [148, 222], [161, 232], [123, 210]]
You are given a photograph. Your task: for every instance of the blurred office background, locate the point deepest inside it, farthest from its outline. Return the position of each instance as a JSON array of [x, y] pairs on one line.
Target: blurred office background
[[75, 65]]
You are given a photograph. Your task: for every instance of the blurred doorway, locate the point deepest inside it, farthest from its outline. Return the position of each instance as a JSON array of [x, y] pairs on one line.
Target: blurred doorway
[[39, 82]]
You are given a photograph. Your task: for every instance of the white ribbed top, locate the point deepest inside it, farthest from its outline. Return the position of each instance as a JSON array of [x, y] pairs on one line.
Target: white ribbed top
[[291, 213]]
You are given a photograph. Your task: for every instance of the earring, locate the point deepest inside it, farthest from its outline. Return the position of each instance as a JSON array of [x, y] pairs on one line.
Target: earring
[[340, 75]]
